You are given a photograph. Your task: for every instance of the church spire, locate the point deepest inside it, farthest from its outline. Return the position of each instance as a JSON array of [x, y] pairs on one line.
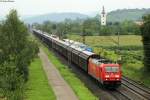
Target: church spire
[[103, 17], [103, 11]]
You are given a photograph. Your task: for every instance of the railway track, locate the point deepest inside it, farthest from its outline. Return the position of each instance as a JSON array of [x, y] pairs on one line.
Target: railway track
[[135, 83], [135, 88], [119, 95], [131, 90]]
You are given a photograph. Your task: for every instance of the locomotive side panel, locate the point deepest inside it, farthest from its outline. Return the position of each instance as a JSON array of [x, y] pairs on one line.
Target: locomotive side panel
[[94, 70]]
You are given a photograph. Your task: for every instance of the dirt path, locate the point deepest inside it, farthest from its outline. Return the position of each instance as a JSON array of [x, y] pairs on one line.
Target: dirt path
[[61, 89]]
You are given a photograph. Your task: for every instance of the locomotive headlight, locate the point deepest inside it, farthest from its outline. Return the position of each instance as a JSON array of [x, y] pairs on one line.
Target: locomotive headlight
[[107, 76], [117, 76]]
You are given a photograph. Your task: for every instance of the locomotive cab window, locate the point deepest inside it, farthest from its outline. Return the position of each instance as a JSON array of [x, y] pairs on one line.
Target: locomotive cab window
[[112, 69]]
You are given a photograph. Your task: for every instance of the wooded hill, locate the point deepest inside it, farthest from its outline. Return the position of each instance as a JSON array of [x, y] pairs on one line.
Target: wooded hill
[[127, 14], [113, 16]]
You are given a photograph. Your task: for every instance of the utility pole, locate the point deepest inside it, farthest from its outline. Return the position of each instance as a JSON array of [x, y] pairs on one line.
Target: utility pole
[[83, 39], [118, 40], [83, 36], [119, 57], [69, 54]]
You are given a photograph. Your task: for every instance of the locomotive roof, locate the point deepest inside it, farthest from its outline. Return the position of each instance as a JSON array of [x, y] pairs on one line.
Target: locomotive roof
[[100, 60]]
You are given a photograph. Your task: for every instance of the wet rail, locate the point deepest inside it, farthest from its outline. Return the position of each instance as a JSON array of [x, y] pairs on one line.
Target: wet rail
[[135, 88]]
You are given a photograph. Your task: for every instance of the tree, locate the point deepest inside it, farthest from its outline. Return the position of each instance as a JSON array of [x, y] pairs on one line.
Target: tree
[[105, 30], [47, 26], [15, 56], [87, 27], [129, 27], [145, 30]]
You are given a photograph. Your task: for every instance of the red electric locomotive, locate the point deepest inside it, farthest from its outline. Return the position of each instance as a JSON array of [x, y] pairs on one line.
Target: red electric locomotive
[[105, 72]]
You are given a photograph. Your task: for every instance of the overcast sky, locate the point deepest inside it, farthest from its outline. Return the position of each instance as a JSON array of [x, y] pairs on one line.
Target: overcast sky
[[36, 7]]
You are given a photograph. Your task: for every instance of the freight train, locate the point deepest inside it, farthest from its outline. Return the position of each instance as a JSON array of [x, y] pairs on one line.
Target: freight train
[[103, 70]]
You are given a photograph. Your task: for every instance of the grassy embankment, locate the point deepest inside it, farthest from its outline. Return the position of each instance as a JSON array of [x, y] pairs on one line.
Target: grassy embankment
[[125, 40], [131, 53], [78, 87], [37, 87]]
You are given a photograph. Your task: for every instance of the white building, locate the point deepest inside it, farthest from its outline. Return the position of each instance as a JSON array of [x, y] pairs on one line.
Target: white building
[[103, 17]]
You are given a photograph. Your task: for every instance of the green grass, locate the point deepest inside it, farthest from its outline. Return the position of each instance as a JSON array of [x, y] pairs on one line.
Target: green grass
[[125, 40], [37, 87], [78, 87]]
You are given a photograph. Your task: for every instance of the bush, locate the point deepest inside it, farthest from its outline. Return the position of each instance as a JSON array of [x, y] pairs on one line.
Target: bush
[[145, 30], [16, 53]]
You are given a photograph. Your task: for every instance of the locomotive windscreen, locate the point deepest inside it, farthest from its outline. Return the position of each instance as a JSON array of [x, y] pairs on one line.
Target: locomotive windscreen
[[111, 69]]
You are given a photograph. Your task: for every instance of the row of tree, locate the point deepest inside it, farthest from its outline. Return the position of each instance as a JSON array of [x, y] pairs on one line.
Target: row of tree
[[15, 56], [90, 26]]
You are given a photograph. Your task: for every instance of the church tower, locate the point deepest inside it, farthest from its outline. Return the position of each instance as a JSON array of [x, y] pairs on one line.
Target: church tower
[[103, 17]]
